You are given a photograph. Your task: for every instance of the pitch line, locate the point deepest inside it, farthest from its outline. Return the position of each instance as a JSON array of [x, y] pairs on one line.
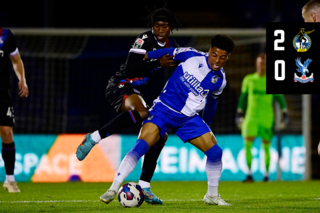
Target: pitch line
[[49, 201], [80, 201]]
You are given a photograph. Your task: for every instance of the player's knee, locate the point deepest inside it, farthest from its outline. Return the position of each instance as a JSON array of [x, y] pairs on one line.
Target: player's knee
[[214, 154], [7, 137]]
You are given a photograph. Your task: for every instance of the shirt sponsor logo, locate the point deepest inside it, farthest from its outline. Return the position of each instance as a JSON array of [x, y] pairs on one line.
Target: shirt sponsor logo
[[194, 85]]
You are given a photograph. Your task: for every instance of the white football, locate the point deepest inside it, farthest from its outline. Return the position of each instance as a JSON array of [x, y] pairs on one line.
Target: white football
[[130, 195]]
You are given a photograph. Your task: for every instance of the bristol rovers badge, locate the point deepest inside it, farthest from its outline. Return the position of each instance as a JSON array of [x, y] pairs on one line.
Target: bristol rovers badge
[[302, 42]]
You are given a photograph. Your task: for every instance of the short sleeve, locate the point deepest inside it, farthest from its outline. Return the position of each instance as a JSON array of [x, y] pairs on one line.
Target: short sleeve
[[12, 45]]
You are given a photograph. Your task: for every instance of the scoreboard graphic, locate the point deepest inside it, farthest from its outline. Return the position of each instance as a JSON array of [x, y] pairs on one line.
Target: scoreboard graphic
[[293, 58]]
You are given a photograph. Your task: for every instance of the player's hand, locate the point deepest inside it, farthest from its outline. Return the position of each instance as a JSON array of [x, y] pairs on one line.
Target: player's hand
[[284, 121], [239, 119], [166, 61], [23, 88]]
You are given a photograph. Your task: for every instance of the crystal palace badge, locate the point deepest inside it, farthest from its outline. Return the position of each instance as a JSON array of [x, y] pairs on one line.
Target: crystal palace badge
[[303, 69]]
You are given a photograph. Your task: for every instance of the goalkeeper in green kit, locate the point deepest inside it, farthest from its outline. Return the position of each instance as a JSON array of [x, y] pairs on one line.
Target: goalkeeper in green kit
[[255, 116]]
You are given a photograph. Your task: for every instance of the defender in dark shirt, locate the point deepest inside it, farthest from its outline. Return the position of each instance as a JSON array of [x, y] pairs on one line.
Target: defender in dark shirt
[[126, 88], [9, 56]]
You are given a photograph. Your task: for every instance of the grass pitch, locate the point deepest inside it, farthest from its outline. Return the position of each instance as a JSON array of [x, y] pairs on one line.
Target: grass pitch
[[177, 196]]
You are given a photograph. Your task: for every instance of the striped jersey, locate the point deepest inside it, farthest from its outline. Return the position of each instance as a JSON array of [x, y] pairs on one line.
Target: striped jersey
[[192, 81]]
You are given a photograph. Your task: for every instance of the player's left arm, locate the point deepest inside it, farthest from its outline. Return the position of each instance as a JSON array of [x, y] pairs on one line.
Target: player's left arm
[[283, 106], [210, 109], [212, 99], [18, 68]]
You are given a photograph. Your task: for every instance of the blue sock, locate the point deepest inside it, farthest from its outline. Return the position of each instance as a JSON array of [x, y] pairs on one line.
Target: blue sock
[[130, 161], [214, 165]]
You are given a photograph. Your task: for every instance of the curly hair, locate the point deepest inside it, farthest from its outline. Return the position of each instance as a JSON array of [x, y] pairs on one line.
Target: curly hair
[[169, 15]]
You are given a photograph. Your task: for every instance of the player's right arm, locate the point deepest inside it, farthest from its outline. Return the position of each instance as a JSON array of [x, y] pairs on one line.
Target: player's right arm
[[283, 106], [242, 104], [180, 54]]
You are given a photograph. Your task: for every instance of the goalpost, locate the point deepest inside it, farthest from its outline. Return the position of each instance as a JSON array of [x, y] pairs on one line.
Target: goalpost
[[57, 62]]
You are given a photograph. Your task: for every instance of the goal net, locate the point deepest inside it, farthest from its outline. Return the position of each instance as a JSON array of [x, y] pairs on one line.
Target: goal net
[[67, 72]]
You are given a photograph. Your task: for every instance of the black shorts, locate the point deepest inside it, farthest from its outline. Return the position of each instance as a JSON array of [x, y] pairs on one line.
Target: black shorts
[[116, 94], [6, 109]]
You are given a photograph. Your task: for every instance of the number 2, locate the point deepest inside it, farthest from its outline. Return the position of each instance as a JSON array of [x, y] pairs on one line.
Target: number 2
[[280, 40]]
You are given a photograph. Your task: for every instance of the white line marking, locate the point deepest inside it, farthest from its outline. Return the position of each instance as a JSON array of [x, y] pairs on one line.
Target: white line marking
[[49, 201], [81, 201]]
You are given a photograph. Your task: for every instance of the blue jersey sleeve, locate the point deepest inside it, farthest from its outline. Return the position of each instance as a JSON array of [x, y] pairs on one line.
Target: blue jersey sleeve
[[160, 52], [210, 109], [181, 54], [184, 53]]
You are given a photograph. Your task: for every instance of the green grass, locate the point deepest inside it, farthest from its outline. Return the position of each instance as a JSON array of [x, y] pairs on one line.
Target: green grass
[[177, 196]]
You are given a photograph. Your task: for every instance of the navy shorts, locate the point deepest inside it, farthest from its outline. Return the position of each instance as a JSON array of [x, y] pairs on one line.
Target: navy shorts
[[186, 128], [6, 109], [117, 94]]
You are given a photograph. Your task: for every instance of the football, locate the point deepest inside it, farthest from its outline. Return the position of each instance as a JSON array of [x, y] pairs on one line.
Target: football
[[130, 195]]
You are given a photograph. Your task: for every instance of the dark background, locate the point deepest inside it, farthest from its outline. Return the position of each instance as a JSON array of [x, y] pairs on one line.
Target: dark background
[[288, 86], [128, 14]]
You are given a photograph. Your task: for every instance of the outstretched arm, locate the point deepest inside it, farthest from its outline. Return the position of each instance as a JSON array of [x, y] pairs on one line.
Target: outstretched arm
[[159, 53], [179, 54]]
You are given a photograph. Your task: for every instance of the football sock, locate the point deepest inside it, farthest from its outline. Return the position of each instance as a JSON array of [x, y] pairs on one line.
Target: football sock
[[150, 161], [266, 147], [9, 178], [9, 157], [144, 184], [123, 120], [248, 146], [115, 185], [212, 191], [213, 169], [130, 161], [96, 136]]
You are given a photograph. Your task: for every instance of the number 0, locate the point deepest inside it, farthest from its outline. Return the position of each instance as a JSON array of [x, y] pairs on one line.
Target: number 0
[[282, 70], [280, 40]]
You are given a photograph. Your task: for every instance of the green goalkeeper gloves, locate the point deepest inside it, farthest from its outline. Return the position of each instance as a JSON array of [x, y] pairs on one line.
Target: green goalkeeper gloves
[[239, 118]]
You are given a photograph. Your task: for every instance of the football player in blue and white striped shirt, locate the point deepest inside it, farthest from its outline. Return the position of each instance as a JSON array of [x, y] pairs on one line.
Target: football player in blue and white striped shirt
[[194, 86]]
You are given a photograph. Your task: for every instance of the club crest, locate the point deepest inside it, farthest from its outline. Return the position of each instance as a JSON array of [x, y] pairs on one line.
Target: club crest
[[214, 79], [303, 69], [302, 42]]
